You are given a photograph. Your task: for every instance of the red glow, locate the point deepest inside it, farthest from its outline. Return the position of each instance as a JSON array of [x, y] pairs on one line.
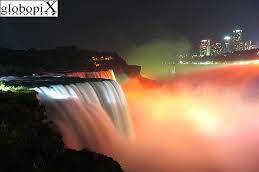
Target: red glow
[[195, 122], [100, 74]]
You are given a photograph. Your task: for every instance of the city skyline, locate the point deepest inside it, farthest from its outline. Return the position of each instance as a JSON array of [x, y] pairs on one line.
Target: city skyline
[[233, 42], [119, 26]]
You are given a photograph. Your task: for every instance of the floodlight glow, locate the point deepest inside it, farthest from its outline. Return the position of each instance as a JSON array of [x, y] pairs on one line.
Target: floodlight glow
[[227, 38], [247, 62], [55, 93], [237, 31], [4, 88]]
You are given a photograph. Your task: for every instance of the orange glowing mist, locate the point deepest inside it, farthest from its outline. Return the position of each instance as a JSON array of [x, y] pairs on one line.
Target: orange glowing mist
[[199, 122], [203, 121]]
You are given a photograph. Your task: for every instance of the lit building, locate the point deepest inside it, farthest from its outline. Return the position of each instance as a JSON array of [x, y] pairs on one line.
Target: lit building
[[205, 48], [253, 46], [216, 49], [249, 45], [237, 40], [227, 41]]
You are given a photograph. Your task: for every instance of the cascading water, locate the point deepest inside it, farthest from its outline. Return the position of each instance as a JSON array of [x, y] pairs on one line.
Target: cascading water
[[106, 74], [87, 114], [207, 121]]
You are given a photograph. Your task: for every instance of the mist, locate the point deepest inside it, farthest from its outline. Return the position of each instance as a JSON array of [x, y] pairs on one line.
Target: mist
[[206, 121], [203, 121], [151, 55]]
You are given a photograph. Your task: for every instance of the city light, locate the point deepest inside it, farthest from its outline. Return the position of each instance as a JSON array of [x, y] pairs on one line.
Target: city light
[[248, 62], [205, 48], [231, 43], [237, 31], [227, 38]]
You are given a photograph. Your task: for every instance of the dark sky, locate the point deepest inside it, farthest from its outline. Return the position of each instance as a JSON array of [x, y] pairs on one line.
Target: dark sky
[[116, 25]]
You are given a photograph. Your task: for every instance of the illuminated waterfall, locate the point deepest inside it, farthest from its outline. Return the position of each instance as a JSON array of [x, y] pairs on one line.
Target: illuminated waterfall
[[107, 74], [87, 114], [204, 121]]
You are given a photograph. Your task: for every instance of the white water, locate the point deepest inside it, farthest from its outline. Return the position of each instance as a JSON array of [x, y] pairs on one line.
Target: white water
[[87, 114], [201, 122]]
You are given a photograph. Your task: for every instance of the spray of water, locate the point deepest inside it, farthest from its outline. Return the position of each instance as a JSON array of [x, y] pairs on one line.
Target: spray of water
[[206, 121], [87, 114]]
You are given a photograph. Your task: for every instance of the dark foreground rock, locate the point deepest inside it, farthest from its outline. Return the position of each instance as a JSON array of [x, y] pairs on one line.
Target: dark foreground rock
[[27, 143], [85, 161]]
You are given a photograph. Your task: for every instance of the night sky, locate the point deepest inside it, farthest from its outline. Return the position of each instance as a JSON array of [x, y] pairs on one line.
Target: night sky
[[117, 25]]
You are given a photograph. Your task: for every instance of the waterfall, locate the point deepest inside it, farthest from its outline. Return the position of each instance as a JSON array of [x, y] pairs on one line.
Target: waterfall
[[106, 74], [87, 114], [204, 121]]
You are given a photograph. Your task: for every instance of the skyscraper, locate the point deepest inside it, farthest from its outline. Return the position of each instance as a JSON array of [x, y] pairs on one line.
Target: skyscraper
[[253, 46], [227, 41], [250, 45], [237, 40], [205, 48], [216, 49]]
